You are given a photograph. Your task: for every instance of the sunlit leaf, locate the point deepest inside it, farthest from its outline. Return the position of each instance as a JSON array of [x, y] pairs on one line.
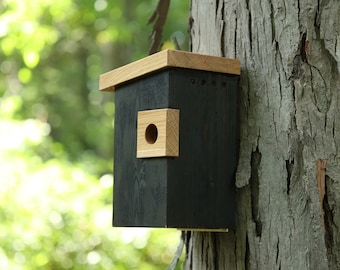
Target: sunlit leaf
[[24, 75], [31, 58]]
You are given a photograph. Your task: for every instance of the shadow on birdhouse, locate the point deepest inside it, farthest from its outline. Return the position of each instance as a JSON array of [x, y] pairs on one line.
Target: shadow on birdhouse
[[175, 141]]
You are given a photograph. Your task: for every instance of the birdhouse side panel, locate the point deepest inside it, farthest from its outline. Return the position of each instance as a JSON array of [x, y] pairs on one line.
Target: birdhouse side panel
[[201, 192]]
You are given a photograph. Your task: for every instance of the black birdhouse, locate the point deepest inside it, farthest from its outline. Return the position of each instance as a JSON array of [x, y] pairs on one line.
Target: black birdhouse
[[175, 141]]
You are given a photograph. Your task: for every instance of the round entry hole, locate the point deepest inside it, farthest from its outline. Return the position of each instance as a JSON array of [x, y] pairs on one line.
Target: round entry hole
[[151, 134]]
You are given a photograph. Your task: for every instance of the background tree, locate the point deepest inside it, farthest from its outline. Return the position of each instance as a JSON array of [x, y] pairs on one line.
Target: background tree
[[288, 178]]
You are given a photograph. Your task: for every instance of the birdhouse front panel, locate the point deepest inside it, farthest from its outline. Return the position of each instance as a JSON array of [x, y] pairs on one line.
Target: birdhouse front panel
[[176, 145], [140, 185]]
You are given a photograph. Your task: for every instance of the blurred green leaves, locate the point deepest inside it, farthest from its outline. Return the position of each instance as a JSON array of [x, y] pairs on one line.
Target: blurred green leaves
[[55, 215], [54, 51], [56, 133]]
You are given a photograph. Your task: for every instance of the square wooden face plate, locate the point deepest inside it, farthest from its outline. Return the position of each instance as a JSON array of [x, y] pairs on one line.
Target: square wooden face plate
[[158, 133]]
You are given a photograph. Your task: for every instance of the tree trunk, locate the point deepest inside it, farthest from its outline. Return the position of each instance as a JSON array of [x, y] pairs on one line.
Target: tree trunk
[[288, 177]]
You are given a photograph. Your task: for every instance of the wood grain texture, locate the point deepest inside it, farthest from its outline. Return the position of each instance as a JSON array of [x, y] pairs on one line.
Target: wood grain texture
[[321, 183], [132, 181], [164, 140], [167, 58]]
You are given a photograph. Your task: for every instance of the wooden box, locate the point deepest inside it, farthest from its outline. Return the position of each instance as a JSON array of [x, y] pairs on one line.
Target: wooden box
[[175, 141]]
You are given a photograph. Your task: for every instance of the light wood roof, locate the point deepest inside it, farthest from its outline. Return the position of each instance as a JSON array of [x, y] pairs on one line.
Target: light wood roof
[[164, 59]]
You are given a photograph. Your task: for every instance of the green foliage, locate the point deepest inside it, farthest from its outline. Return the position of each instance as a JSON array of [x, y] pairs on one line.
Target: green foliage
[[55, 215], [54, 52], [56, 133]]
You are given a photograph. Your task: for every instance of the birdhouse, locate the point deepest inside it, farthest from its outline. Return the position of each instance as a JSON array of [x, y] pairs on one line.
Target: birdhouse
[[175, 141]]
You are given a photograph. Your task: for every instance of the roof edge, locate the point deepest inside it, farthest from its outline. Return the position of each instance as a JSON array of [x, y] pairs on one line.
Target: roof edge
[[163, 59]]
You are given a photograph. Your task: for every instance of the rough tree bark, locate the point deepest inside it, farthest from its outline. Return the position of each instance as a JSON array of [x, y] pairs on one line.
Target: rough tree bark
[[288, 178]]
